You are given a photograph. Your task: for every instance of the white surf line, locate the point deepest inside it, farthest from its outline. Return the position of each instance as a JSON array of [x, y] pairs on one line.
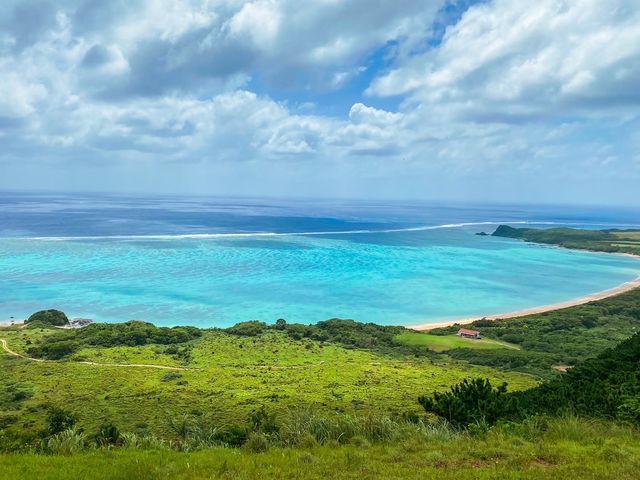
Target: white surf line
[[279, 234]]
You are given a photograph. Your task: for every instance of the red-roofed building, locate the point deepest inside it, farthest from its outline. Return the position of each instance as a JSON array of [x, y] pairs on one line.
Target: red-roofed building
[[466, 333]]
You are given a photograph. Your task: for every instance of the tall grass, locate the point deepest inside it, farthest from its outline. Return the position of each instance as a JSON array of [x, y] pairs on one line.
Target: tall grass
[[67, 442], [305, 428]]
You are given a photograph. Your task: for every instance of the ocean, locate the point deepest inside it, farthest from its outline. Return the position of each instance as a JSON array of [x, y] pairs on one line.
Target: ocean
[[213, 262]]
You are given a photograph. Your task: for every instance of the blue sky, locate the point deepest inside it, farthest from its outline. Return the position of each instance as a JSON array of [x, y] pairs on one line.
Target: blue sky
[[497, 100]]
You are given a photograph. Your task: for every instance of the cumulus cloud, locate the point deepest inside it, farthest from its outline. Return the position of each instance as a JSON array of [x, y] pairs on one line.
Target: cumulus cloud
[[509, 60], [502, 91]]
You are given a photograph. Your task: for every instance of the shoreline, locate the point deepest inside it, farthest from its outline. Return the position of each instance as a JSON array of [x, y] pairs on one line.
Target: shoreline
[[11, 323], [612, 292]]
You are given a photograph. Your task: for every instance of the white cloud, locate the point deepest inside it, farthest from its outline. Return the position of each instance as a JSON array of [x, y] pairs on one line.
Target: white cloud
[[19, 98], [518, 58], [515, 88]]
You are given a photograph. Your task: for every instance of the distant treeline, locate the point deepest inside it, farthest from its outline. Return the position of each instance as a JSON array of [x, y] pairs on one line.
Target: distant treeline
[[614, 241]]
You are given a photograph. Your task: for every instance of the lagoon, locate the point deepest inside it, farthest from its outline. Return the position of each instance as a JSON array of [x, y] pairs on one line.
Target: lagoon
[[192, 268]]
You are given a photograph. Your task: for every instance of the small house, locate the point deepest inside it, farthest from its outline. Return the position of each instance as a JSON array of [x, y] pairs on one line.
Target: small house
[[466, 333]]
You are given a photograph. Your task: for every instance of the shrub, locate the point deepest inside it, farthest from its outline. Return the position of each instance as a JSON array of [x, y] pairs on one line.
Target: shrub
[[248, 329], [142, 442], [262, 421], [108, 435], [131, 334], [59, 420], [469, 402], [170, 377], [257, 442], [67, 442], [49, 317], [54, 350], [233, 436]]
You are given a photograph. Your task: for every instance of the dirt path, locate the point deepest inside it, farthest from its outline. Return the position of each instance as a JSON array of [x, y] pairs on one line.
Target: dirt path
[[6, 348]]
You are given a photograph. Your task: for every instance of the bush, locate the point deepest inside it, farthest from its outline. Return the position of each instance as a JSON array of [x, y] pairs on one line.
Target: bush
[[60, 420], [108, 435], [606, 386], [248, 329], [262, 421], [51, 317], [131, 334], [257, 442], [233, 436], [470, 402], [55, 350], [67, 442], [171, 376], [141, 442]]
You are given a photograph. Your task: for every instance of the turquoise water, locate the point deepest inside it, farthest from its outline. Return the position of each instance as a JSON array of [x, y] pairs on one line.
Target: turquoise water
[[403, 277]]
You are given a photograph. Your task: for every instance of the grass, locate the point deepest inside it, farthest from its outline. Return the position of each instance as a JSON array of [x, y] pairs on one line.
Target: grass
[[561, 337], [442, 343], [229, 377], [566, 448]]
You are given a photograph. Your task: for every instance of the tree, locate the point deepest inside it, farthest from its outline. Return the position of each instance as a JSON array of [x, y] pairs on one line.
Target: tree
[[470, 401]]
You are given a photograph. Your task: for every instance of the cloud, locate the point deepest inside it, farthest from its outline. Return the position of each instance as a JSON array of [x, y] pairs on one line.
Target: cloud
[[427, 102], [518, 61]]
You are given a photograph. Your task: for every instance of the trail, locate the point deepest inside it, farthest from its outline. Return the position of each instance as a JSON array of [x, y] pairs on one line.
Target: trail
[[6, 348]]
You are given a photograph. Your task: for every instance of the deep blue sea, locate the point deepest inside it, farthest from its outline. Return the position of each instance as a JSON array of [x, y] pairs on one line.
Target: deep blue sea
[[218, 261]]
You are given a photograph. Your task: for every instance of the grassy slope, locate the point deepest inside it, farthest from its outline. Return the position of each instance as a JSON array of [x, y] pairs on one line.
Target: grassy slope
[[442, 343], [565, 448], [231, 376]]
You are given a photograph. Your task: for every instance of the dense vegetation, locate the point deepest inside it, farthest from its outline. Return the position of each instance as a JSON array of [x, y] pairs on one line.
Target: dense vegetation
[[133, 333], [622, 241], [557, 338], [51, 317], [607, 386], [347, 333]]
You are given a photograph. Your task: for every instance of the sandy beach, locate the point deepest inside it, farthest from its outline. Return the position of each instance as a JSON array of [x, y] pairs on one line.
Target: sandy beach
[[11, 323], [625, 287]]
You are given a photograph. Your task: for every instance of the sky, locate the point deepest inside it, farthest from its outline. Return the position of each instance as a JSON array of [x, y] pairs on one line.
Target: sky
[[492, 100]]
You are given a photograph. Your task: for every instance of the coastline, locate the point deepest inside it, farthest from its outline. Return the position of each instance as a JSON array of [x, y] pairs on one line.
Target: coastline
[[622, 288], [11, 323], [611, 292]]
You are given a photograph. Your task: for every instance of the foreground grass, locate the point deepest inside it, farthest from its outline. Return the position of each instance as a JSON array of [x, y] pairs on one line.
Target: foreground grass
[[566, 448]]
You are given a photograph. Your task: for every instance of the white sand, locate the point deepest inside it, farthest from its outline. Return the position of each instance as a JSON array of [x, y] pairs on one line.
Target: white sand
[[625, 287]]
